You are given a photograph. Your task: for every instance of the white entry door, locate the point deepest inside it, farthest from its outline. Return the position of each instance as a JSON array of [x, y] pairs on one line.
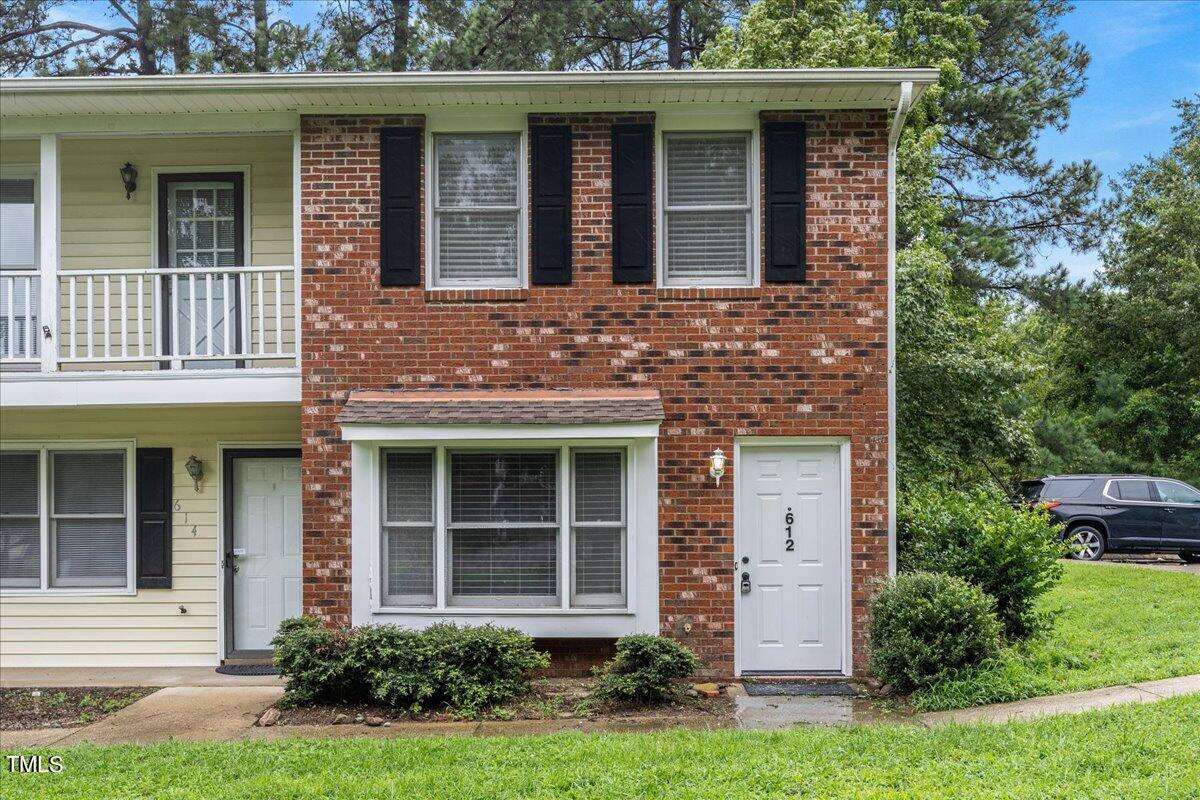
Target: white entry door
[[265, 562], [791, 556]]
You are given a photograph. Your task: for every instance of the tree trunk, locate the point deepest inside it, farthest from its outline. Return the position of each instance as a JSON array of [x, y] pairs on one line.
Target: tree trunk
[[180, 38], [147, 65], [674, 34], [261, 36], [400, 10]]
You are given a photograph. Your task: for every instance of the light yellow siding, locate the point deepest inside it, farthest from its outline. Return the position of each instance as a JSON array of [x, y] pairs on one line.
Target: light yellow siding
[[21, 152], [147, 629]]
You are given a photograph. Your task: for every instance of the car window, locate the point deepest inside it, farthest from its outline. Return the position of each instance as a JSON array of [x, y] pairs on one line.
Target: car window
[[1065, 488], [1171, 492], [1131, 490], [1031, 490]]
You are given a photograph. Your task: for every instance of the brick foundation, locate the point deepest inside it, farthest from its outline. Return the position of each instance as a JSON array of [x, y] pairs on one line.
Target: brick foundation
[[781, 360]]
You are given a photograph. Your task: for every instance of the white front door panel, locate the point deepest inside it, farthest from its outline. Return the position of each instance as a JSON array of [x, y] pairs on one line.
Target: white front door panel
[[266, 548], [791, 544]]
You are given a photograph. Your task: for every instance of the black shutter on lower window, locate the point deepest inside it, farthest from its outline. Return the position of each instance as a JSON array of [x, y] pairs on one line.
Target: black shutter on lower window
[[400, 206], [632, 197], [551, 201], [785, 212], [154, 480]]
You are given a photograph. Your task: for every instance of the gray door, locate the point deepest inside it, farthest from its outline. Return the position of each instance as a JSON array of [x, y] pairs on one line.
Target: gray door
[[265, 558], [1134, 515], [790, 580], [1181, 515]]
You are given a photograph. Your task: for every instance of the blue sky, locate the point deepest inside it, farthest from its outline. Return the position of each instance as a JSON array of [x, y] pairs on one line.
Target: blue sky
[[1145, 54]]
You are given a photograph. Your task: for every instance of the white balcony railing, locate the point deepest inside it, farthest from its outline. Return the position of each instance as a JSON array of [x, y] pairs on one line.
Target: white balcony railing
[[231, 317]]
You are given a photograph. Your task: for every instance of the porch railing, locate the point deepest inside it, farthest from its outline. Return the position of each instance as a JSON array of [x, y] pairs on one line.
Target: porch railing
[[230, 317]]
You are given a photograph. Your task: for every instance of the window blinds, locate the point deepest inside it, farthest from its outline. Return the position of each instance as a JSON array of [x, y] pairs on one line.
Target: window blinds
[[18, 215], [707, 208], [598, 528], [408, 527], [88, 523], [476, 210], [20, 529]]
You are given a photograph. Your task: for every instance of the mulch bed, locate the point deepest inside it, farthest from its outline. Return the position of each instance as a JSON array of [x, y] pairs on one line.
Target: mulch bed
[[23, 709], [548, 698]]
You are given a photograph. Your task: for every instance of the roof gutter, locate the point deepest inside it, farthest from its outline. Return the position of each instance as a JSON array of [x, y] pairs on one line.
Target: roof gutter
[[902, 109]]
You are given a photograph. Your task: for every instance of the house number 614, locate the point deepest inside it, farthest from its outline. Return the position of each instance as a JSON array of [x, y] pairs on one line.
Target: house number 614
[[789, 544]]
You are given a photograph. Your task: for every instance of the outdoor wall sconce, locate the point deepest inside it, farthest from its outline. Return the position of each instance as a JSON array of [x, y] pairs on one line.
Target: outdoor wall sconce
[[717, 465], [129, 178], [195, 468]]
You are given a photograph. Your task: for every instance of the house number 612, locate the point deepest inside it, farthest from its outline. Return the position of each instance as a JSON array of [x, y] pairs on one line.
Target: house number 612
[[789, 544]]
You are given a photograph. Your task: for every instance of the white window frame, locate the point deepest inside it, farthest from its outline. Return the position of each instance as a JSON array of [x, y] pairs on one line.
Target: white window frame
[[682, 128], [1108, 487], [405, 601], [434, 280], [45, 509], [444, 603], [28, 171]]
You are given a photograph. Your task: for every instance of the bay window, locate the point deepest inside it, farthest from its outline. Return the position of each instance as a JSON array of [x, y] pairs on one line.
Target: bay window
[[516, 528], [65, 518]]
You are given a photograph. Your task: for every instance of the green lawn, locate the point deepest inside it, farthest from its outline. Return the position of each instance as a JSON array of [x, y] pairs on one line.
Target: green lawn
[[1147, 751], [1112, 625]]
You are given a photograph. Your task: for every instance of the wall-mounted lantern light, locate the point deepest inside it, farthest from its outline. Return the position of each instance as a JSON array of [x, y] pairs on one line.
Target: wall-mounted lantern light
[[129, 178], [717, 465], [195, 468]]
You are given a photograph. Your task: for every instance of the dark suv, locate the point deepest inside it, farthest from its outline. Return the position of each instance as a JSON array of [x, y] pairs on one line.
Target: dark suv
[[1121, 513]]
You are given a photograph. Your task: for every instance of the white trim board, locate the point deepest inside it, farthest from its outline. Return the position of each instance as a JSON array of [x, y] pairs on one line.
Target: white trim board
[[150, 388]]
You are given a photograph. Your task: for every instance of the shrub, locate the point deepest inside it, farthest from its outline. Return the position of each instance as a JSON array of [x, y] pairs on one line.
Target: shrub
[[927, 626], [313, 659], [465, 668], [644, 668], [1012, 554]]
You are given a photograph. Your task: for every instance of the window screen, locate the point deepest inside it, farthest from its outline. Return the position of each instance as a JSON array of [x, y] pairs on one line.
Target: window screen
[[18, 224], [598, 529], [20, 524], [503, 527], [89, 530], [477, 210], [408, 528], [708, 209]]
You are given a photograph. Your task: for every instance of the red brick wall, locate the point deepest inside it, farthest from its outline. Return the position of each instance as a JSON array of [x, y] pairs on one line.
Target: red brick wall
[[781, 360]]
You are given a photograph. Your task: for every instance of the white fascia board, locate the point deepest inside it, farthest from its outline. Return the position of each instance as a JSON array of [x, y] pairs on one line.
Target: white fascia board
[[357, 432], [69, 390]]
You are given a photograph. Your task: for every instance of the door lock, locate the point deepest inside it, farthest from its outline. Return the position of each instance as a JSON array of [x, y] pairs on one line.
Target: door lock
[[230, 562], [745, 583]]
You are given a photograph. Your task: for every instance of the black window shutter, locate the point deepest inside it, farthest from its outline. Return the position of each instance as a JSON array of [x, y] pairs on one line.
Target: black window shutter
[[632, 179], [154, 478], [400, 206], [785, 213], [551, 145]]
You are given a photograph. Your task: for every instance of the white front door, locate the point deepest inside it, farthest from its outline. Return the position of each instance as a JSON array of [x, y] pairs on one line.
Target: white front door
[[791, 555], [265, 543]]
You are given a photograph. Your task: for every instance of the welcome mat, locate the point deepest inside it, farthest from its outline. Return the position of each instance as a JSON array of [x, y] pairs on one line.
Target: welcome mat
[[247, 669], [799, 689]]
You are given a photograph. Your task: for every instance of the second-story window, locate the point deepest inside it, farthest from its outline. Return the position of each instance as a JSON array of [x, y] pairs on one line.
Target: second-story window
[[477, 211], [708, 208]]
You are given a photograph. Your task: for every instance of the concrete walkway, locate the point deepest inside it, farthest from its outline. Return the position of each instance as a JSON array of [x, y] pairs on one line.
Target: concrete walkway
[[66, 677], [221, 714]]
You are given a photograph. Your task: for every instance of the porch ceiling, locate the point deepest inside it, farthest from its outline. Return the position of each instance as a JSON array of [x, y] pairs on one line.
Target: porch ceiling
[[329, 92]]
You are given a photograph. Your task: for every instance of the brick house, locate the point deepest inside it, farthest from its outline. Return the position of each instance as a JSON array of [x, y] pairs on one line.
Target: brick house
[[584, 354]]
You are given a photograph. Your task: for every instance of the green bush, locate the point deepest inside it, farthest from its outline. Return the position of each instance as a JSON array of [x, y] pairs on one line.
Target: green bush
[[928, 626], [465, 668], [1012, 554], [644, 668]]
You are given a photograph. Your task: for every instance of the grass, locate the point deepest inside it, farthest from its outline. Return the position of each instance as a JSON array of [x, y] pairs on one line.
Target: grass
[[1143, 751], [1111, 625]]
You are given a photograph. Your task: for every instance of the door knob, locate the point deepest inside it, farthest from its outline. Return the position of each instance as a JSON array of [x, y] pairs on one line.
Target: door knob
[[745, 583]]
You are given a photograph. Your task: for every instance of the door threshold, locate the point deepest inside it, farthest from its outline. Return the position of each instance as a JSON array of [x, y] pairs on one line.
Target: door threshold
[[778, 676]]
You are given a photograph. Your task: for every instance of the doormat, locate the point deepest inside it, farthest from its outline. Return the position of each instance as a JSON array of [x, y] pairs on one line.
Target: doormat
[[247, 669], [799, 689]]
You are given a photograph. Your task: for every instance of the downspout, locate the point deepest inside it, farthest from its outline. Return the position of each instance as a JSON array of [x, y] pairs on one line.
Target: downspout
[[902, 108]]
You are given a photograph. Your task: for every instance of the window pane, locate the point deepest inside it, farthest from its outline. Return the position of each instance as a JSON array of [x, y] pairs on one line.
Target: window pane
[[19, 483], [502, 562], [19, 553], [477, 246], [409, 486], [1176, 492], [1133, 490], [706, 170], [89, 482], [480, 171], [706, 244], [503, 487], [597, 487], [17, 217], [409, 566], [598, 561], [1066, 489], [89, 552]]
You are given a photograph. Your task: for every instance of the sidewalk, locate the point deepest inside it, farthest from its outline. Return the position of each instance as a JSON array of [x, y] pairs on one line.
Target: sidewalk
[[222, 714]]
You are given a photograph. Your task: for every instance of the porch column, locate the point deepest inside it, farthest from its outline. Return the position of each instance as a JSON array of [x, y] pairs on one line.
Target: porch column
[[48, 203]]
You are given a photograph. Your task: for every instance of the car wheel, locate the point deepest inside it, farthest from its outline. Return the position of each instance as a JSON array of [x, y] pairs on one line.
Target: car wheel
[[1087, 543], [1191, 558]]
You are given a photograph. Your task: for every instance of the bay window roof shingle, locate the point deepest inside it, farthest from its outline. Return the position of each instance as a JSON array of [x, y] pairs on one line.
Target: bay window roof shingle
[[502, 407]]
